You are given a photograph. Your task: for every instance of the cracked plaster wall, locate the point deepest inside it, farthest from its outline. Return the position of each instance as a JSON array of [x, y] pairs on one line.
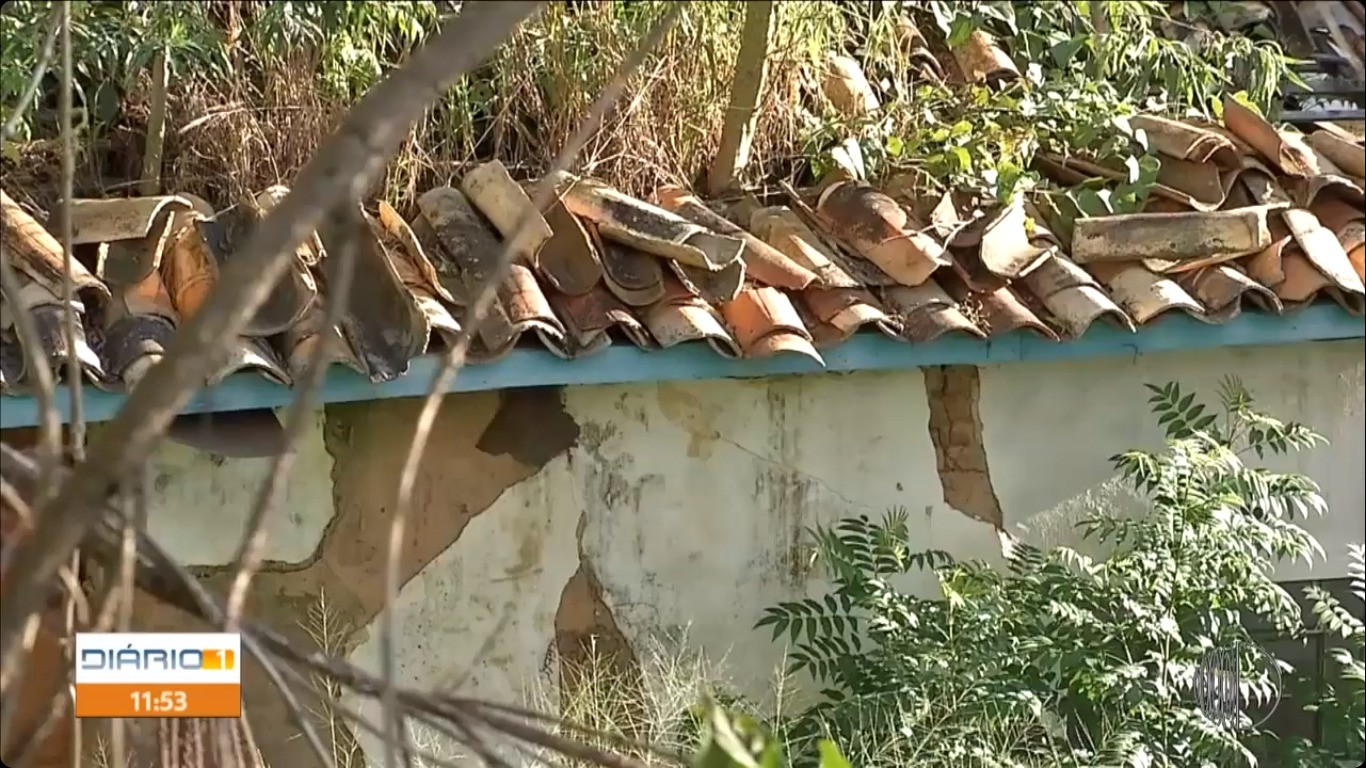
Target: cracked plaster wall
[[637, 511]]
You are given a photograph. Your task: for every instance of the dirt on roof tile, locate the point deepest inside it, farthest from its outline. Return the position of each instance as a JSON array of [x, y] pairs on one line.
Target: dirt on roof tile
[[1166, 242], [761, 261], [881, 231]]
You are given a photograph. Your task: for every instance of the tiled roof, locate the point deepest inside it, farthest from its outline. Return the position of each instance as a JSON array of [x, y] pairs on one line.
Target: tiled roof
[[1243, 218]]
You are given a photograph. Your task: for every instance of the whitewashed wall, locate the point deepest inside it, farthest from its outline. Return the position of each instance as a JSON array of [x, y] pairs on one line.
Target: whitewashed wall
[[688, 501]]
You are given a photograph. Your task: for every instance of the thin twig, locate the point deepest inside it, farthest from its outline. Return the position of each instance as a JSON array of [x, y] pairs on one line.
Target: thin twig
[[69, 652], [39, 69], [10, 690], [159, 575], [39, 367], [10, 497], [346, 165], [252, 546], [455, 358], [76, 424], [123, 598], [194, 599]]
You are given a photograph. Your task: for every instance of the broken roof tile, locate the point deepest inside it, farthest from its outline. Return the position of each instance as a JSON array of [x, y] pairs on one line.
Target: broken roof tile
[[589, 318], [1142, 293], [926, 312], [838, 313], [505, 204], [996, 311], [296, 291], [989, 248], [1323, 250], [1073, 297], [678, 316], [1303, 283], [1346, 154], [188, 267], [761, 261], [256, 355], [630, 274], [765, 323], [36, 253], [1187, 141], [648, 228], [781, 228], [881, 231], [1222, 288], [569, 259], [1289, 157]]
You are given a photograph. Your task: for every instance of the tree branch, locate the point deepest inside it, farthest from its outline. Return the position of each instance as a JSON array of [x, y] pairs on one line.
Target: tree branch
[[343, 168]]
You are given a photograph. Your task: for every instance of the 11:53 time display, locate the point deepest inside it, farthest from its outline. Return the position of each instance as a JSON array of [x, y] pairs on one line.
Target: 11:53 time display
[[160, 702]]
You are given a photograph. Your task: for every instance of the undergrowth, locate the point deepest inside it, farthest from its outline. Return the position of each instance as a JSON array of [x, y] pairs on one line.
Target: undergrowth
[[255, 86], [1065, 659]]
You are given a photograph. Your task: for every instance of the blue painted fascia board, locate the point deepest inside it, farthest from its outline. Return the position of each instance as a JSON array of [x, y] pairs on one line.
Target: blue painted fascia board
[[864, 352]]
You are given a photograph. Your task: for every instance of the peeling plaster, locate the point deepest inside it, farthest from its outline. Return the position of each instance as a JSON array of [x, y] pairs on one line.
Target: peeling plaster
[[681, 509], [186, 479], [480, 616], [959, 451], [456, 483], [586, 632]]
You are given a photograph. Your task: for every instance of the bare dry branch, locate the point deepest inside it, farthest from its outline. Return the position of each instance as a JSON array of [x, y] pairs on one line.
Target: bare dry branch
[[251, 548], [162, 577], [12, 683], [455, 358], [36, 364], [76, 425], [343, 168]]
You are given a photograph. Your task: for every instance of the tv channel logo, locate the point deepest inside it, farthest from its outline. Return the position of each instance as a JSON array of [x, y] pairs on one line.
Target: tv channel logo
[[158, 674]]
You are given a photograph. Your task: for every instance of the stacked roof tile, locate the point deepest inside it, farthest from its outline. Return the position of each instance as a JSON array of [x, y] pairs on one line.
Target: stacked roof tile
[[1243, 217]]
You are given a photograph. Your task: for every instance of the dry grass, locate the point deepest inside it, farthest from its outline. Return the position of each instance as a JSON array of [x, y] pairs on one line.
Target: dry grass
[[228, 138], [648, 703], [331, 635]]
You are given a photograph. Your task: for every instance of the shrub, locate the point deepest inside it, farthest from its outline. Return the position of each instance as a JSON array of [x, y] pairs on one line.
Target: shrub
[[1063, 659]]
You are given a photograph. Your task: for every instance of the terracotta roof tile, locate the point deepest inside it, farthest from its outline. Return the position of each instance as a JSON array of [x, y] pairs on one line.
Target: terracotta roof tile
[[1278, 222]]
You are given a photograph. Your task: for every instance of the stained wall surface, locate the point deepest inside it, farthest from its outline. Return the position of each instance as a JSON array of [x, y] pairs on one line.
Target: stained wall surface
[[546, 517]]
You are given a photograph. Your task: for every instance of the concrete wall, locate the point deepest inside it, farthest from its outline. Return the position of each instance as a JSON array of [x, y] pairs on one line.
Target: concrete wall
[[544, 517]]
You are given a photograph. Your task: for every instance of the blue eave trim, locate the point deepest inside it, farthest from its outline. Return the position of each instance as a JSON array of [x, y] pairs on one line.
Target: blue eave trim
[[864, 352]]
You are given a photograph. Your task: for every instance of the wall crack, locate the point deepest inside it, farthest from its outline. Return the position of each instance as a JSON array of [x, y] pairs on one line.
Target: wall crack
[[955, 427]]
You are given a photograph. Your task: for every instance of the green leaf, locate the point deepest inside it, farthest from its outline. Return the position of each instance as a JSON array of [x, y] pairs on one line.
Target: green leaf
[[960, 30], [962, 160], [831, 757], [1064, 52]]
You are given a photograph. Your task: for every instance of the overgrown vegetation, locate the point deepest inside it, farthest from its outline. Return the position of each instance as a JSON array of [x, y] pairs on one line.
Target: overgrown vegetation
[[1068, 660], [1078, 85], [254, 86]]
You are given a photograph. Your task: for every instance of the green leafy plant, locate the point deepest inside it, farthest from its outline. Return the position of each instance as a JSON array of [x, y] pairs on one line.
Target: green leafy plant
[[1063, 659], [1079, 81], [731, 740], [1340, 703]]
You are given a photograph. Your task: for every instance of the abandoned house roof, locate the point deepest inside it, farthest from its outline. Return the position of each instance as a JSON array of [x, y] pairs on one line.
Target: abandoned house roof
[[1250, 234]]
